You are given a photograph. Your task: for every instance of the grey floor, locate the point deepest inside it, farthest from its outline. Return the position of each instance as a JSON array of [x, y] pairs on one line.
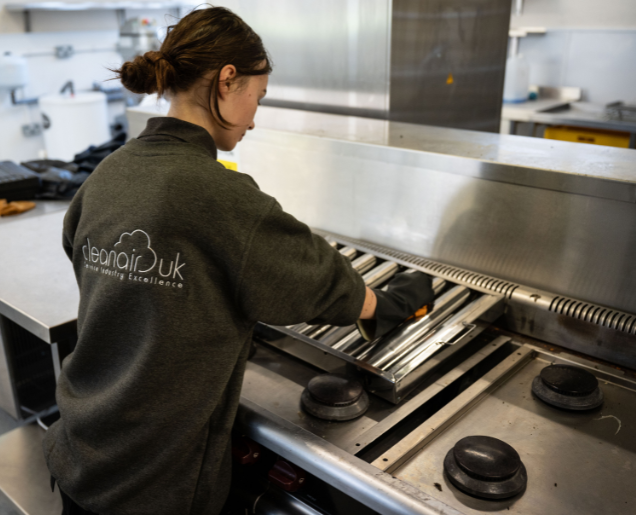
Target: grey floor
[[7, 423], [7, 507]]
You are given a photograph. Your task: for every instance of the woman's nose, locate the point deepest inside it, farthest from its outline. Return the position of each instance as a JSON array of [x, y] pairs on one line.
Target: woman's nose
[[252, 125]]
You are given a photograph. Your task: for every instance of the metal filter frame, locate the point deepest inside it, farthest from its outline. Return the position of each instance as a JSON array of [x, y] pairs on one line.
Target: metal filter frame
[[448, 337]]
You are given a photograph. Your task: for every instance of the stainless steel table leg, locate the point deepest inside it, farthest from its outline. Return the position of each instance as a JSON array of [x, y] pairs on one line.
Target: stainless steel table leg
[[59, 350], [57, 362]]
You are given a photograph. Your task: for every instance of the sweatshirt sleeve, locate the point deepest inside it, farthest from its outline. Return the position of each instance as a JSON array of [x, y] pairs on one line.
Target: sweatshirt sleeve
[[290, 275], [71, 219]]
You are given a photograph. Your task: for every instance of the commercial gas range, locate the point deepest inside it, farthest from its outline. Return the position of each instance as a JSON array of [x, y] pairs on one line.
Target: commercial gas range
[[532, 244], [464, 416]]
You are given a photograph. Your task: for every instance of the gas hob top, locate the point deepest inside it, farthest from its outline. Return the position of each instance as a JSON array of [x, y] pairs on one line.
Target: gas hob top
[[576, 461]]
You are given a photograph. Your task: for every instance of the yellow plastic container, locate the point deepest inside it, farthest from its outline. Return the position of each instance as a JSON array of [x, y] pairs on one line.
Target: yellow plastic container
[[592, 136], [229, 165]]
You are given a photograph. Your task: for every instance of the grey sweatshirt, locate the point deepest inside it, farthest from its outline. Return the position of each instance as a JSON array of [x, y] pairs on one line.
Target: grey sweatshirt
[[176, 259]]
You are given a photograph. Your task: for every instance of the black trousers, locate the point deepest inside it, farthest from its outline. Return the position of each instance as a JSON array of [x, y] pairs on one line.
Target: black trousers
[[69, 506]]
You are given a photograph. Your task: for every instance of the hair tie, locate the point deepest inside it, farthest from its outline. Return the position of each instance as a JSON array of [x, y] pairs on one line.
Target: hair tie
[[165, 58], [153, 57]]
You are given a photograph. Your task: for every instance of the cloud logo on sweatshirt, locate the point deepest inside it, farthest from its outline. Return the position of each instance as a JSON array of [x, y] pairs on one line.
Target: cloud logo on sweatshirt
[[136, 244], [132, 256]]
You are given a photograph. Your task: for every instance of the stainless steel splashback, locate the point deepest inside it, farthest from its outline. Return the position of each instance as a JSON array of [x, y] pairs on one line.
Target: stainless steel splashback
[[329, 55], [558, 231], [435, 62]]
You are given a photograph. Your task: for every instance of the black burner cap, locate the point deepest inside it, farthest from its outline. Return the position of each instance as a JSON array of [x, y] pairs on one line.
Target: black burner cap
[[485, 467], [568, 387], [335, 397], [335, 389], [486, 458], [569, 380]]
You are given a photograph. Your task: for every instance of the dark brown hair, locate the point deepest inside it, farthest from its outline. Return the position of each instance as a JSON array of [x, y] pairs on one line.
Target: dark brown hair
[[202, 41]]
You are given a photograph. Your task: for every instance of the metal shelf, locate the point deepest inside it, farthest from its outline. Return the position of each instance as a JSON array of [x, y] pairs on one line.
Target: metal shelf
[[120, 7], [91, 6]]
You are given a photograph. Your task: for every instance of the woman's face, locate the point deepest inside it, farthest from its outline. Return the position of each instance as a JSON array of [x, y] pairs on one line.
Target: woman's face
[[238, 101]]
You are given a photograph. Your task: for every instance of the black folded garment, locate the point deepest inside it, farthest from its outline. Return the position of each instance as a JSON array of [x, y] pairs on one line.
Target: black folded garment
[[58, 180], [61, 180], [58, 184], [42, 165], [88, 160]]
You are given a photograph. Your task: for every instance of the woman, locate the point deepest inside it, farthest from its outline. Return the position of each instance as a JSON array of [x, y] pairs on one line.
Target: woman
[[176, 259]]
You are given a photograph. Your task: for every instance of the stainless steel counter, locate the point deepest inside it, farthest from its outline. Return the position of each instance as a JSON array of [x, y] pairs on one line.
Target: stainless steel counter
[[42, 207], [576, 114], [518, 152], [38, 290]]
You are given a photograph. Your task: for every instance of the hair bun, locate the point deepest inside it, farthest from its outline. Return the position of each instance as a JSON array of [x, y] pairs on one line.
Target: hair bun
[[152, 72], [140, 75]]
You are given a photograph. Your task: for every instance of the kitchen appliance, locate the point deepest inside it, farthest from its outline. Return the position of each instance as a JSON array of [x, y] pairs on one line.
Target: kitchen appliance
[[73, 122], [472, 415], [435, 63], [621, 111], [136, 37], [13, 72], [517, 81]]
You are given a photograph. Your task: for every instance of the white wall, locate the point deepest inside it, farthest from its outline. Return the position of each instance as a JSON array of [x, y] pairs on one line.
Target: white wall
[[589, 44], [93, 35], [577, 14], [47, 74], [601, 62]]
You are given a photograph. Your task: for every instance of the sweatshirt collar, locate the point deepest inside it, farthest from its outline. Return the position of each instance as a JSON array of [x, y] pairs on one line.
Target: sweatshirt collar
[[176, 129]]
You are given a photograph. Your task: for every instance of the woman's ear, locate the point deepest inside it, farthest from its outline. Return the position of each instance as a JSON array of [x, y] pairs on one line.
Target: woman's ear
[[227, 76]]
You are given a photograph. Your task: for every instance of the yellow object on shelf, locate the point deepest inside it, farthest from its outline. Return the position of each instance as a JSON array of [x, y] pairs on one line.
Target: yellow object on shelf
[[229, 165], [592, 136]]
